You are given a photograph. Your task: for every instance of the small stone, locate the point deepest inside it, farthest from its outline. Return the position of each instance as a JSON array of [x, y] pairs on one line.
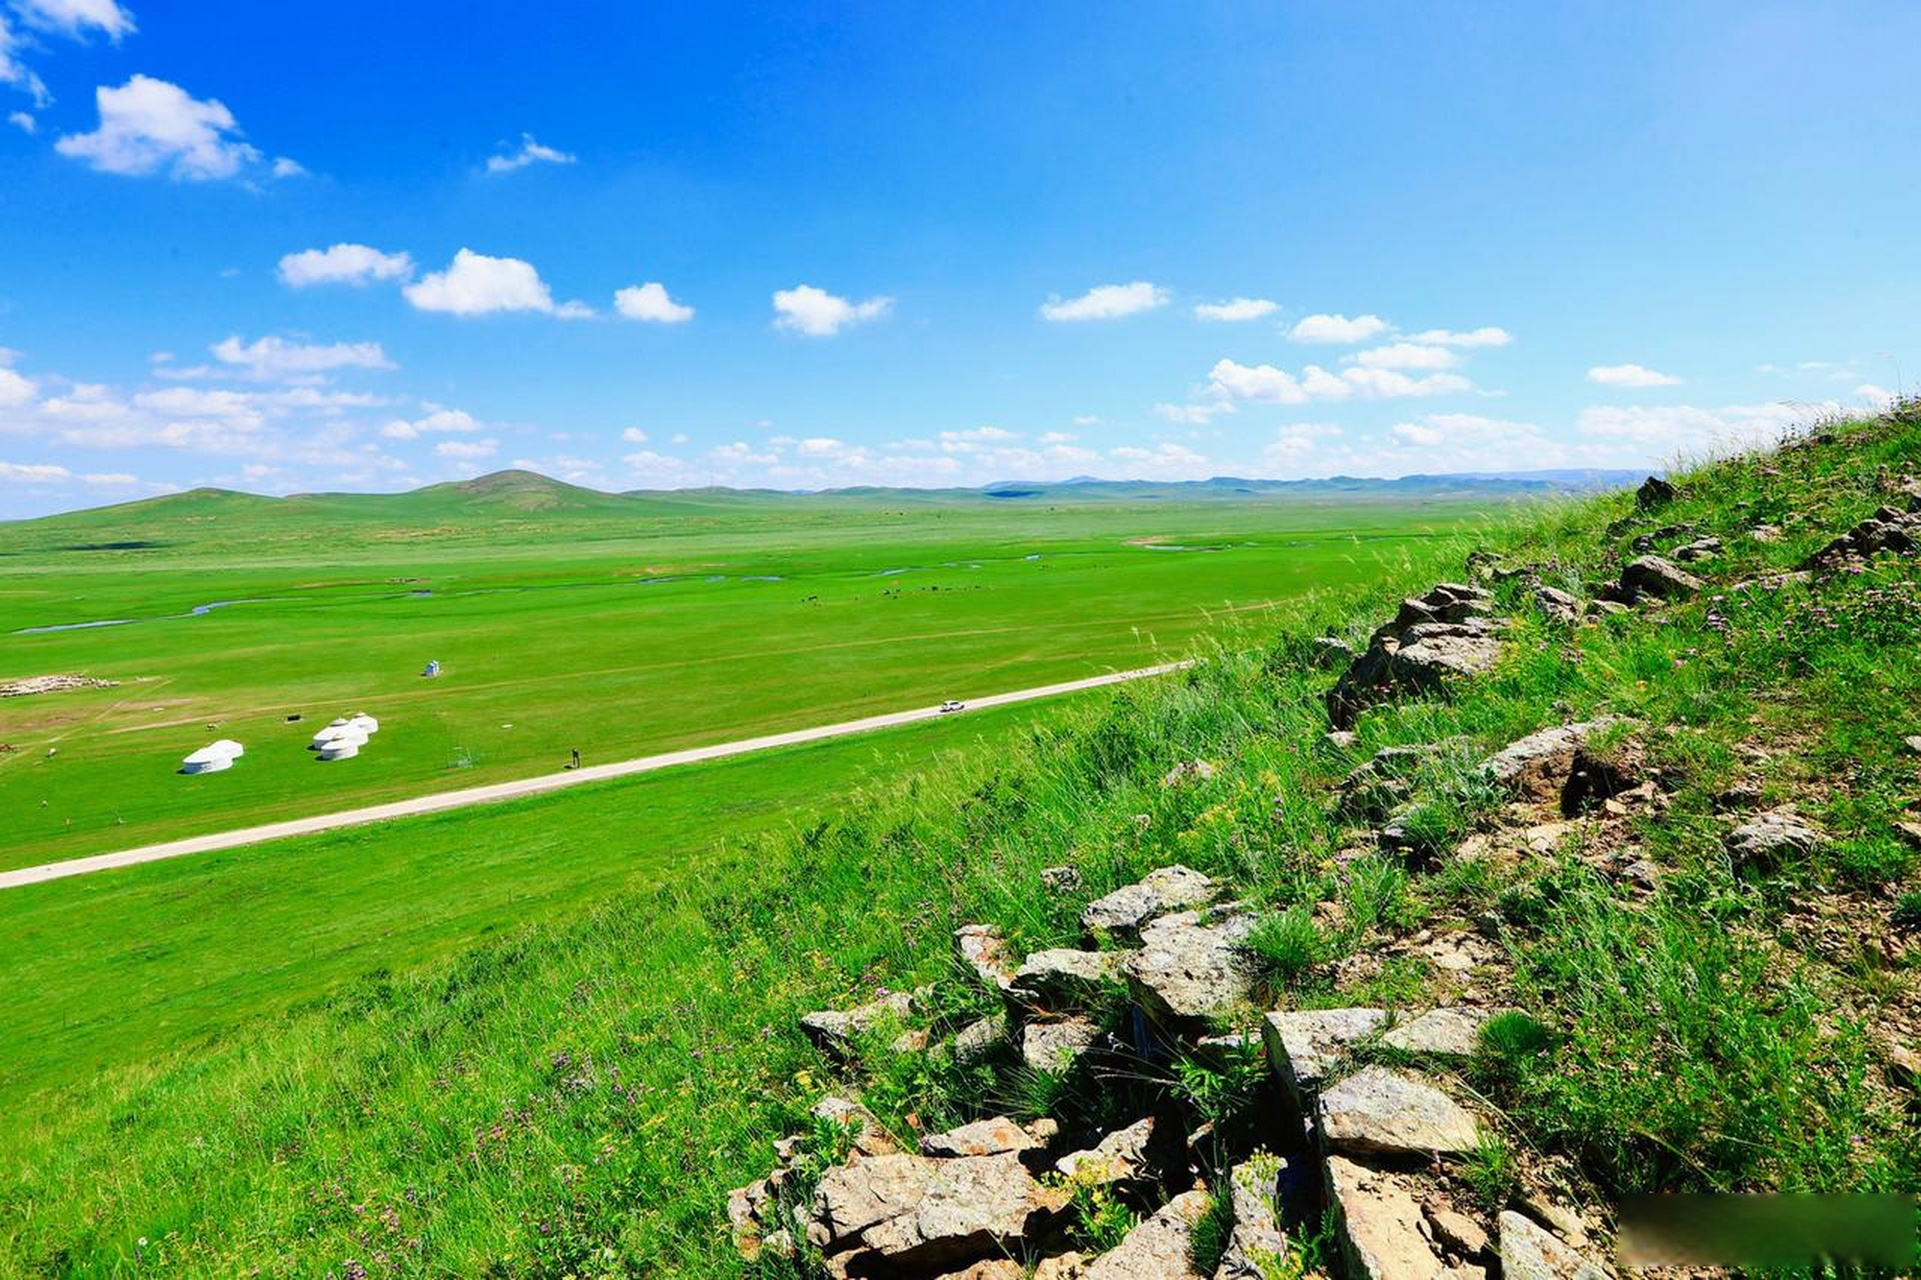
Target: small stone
[[1061, 880], [1053, 1046], [1381, 1111], [1654, 492], [1304, 1045], [1457, 1232], [1119, 1157], [1766, 533], [980, 1138], [1064, 978], [987, 1269], [984, 952], [1379, 1224], [1913, 744], [979, 1040], [1332, 653], [1530, 1252], [1159, 1248], [835, 1031], [1557, 1216], [1557, 606], [1447, 1032], [1606, 608], [1770, 839], [1343, 739], [1062, 1266], [1125, 910], [913, 1214], [1658, 578], [870, 1138]]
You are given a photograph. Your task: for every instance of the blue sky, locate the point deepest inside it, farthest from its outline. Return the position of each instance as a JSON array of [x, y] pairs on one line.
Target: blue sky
[[367, 246]]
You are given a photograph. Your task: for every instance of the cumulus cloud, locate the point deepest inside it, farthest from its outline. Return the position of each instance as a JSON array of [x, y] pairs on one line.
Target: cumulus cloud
[[354, 264], [1230, 380], [1629, 375], [437, 421], [15, 390], [1406, 355], [147, 125], [1294, 444], [1166, 461], [1194, 415], [1106, 302], [477, 285], [273, 357], [285, 168], [1685, 430], [17, 74], [531, 152], [1236, 309], [19, 119], [651, 302], [819, 314], [1338, 329], [467, 450], [32, 472], [634, 435], [1486, 336], [78, 17]]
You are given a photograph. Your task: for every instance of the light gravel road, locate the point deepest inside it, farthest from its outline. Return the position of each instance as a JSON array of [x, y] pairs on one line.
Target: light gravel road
[[445, 800]]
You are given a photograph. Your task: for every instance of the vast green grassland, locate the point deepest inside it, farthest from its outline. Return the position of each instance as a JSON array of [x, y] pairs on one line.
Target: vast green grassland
[[621, 626], [575, 1097]]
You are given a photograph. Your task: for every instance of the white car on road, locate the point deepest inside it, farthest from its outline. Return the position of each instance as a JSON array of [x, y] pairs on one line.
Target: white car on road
[[951, 705]]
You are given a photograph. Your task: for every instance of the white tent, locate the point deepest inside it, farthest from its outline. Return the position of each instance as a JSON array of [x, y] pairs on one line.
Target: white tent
[[210, 759], [233, 749], [328, 734], [365, 723], [343, 748]]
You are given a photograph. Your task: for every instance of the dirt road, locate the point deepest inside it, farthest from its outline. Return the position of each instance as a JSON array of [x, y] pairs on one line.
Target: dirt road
[[445, 800]]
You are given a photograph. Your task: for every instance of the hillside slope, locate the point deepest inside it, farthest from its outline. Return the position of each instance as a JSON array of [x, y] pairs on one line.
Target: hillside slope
[[1697, 1004]]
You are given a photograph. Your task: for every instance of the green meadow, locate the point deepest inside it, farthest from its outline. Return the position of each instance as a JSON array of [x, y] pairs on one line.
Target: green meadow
[[618, 625]]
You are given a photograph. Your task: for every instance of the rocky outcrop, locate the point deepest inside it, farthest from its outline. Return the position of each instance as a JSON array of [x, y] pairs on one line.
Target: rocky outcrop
[[1653, 578], [1064, 978], [1436, 638], [1555, 765], [1381, 785], [1557, 606], [837, 1031], [1305, 1045], [1161, 1248], [1121, 1156], [1444, 1033], [1258, 1243], [1053, 1046], [1121, 913], [1772, 838], [1530, 1251], [761, 1216], [909, 1214], [984, 952], [981, 1138], [1889, 529], [1653, 493], [1378, 1223]]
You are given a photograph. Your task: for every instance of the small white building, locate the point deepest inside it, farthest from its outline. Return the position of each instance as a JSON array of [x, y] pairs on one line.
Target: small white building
[[213, 758], [343, 748]]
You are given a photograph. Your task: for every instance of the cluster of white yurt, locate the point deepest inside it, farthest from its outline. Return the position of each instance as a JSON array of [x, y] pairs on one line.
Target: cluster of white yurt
[[343, 739], [213, 757]]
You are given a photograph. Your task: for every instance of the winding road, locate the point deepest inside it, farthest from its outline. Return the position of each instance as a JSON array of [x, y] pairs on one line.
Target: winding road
[[444, 800]]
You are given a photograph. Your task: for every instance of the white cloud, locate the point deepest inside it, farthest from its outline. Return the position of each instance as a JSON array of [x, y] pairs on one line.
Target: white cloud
[[1486, 336], [109, 479], [33, 472], [530, 152], [1057, 437], [1406, 355], [17, 74], [14, 389], [1087, 419], [147, 125], [1236, 309], [467, 450], [819, 314], [477, 285], [679, 437], [1233, 381], [19, 119], [651, 302], [437, 421], [1338, 329], [975, 435], [1877, 396], [1629, 375], [1194, 415], [740, 453], [1106, 302], [1294, 446], [634, 435], [1166, 461], [1668, 431], [354, 264], [286, 168], [272, 357], [77, 17], [820, 447]]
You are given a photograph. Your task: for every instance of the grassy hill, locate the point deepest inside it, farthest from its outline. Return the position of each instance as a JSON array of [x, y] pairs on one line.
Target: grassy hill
[[576, 1098]]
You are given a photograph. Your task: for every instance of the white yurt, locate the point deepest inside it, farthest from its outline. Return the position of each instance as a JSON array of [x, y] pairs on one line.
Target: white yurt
[[328, 734], [212, 759], [343, 748], [365, 723]]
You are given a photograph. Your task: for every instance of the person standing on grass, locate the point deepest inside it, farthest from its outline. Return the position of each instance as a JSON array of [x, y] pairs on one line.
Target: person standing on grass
[[576, 763]]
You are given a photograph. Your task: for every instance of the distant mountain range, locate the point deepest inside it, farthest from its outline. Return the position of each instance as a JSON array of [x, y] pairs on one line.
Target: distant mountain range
[[520, 494]]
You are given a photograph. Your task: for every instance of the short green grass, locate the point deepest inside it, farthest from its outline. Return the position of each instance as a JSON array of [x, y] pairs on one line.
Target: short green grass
[[620, 627]]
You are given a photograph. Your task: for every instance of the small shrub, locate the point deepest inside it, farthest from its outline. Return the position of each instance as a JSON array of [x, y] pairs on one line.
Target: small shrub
[[1489, 1171], [1288, 944], [1101, 1221], [1211, 1234], [1907, 910]]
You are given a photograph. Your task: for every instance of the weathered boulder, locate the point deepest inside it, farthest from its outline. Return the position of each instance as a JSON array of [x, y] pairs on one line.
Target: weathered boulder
[[1123, 912], [1053, 1046], [1653, 577], [836, 1031], [1455, 1231], [980, 1138], [1064, 978], [1435, 638], [1376, 1110], [1061, 881], [1378, 1224], [870, 1137], [1191, 966], [1555, 765], [1257, 1243], [1530, 1252], [1557, 606], [910, 1213], [1303, 1046], [1706, 548], [754, 1212], [1331, 652], [1062, 1266], [983, 951], [1769, 839], [1159, 1248], [1453, 1033], [979, 1040], [1119, 1157], [1654, 492], [1374, 789]]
